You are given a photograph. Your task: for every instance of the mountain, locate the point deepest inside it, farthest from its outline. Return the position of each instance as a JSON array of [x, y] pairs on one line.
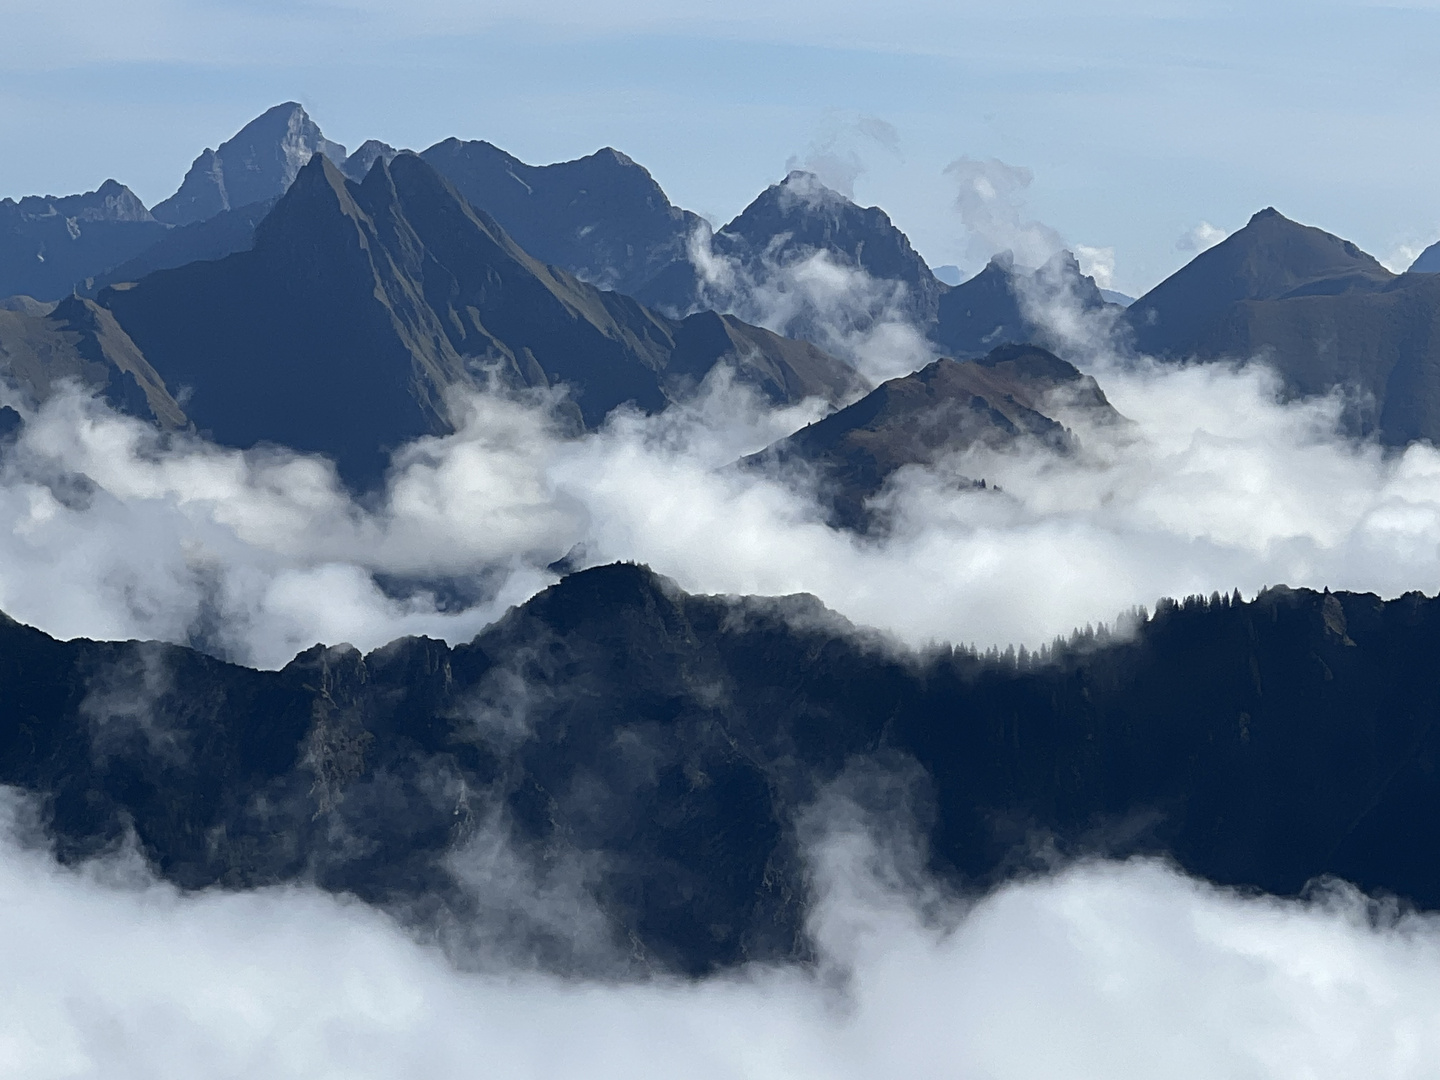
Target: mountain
[[660, 750], [950, 406], [27, 305], [756, 269], [257, 164], [1271, 258], [358, 164], [79, 340], [1428, 262], [1323, 313], [47, 244], [362, 307], [1003, 303], [201, 241], [603, 217], [787, 223]]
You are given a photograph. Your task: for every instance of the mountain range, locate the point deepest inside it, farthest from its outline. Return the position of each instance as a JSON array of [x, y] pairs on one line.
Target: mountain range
[[660, 754], [48, 244], [595, 231], [662, 749], [382, 298]]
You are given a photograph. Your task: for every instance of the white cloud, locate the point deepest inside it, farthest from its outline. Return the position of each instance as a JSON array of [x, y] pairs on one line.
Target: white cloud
[[1214, 486], [990, 198], [1200, 238], [836, 154], [1104, 970], [1402, 257], [1097, 262]]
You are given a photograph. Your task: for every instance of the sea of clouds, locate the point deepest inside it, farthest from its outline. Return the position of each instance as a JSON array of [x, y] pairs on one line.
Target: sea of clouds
[[1213, 482], [1100, 970], [111, 530]]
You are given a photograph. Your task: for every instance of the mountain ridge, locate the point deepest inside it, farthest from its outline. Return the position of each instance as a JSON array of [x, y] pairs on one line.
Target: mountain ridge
[[671, 743]]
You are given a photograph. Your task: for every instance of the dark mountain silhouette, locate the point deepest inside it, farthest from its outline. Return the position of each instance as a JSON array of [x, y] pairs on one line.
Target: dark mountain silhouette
[[47, 244], [361, 307], [601, 217], [950, 406], [789, 222], [1323, 313], [1428, 261], [258, 163], [663, 748], [79, 340]]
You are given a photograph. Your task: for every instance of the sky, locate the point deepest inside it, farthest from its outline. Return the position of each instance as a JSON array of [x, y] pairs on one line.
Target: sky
[[1142, 125]]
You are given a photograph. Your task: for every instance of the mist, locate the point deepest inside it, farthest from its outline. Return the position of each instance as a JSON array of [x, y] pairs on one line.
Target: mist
[[1215, 484], [1111, 970]]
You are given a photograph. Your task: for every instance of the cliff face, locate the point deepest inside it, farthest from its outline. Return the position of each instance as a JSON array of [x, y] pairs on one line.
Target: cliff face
[[659, 748]]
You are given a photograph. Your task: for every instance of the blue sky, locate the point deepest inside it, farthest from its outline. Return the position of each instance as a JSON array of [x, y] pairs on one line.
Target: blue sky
[[1139, 122]]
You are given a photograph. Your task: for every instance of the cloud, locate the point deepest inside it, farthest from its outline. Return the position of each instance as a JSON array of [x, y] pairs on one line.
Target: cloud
[[1403, 256], [1200, 238], [990, 198], [835, 155], [811, 293], [1215, 484], [1098, 263], [1113, 970]]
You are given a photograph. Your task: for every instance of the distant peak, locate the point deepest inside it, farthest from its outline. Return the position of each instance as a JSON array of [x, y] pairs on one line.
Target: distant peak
[[806, 189], [1268, 214], [615, 155]]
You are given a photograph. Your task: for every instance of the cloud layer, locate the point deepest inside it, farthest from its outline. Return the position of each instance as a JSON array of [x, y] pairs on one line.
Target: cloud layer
[[1214, 485], [1100, 970]]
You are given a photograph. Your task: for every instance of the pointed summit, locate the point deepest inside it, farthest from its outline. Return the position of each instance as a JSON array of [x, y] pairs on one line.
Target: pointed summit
[[259, 162], [1271, 258], [787, 224]]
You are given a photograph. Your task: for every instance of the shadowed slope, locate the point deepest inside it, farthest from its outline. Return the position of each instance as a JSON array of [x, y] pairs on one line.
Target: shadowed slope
[[362, 307]]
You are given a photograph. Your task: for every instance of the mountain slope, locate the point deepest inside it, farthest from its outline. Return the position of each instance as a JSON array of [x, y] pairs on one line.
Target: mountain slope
[[1324, 314], [257, 163], [362, 307], [950, 406], [80, 340], [215, 237], [48, 244], [601, 217], [1428, 261], [1271, 258], [671, 743], [1005, 304], [790, 222]]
